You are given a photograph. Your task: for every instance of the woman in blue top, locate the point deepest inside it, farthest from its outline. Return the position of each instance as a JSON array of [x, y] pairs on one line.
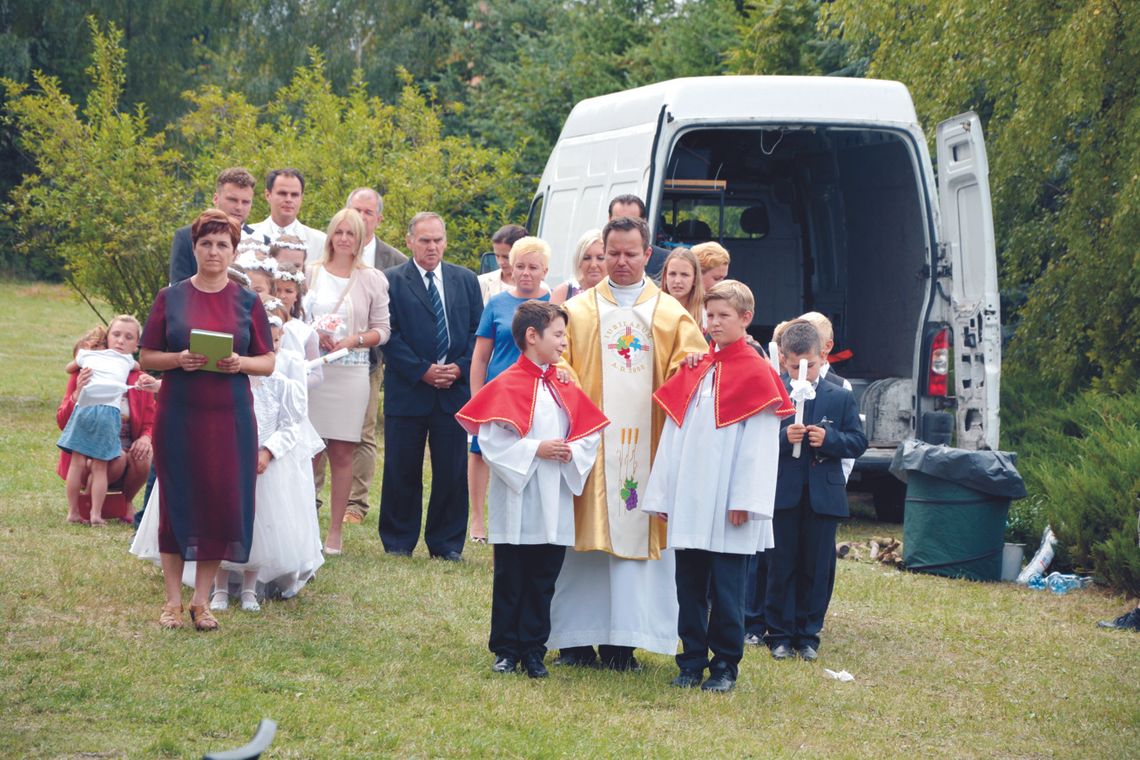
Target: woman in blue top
[[495, 351]]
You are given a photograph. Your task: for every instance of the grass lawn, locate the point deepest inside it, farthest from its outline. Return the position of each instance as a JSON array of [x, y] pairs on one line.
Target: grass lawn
[[385, 657]]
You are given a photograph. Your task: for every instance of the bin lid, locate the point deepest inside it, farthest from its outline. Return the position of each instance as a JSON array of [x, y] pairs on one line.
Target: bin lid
[[991, 472]]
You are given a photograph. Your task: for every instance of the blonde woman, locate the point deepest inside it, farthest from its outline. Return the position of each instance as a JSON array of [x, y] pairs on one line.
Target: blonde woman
[[495, 351], [590, 265], [714, 263], [347, 304]]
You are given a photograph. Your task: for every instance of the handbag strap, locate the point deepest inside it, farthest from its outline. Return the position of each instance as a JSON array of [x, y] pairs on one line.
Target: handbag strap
[[344, 293]]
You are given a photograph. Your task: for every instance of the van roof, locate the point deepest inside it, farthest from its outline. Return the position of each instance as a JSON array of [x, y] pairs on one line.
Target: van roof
[[747, 98]]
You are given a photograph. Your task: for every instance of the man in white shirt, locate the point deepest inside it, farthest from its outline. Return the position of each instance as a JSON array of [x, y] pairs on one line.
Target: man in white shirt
[[376, 253], [285, 191]]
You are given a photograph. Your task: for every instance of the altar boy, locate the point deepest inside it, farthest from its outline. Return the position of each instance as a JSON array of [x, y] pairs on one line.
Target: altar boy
[[810, 500], [539, 437], [714, 480]]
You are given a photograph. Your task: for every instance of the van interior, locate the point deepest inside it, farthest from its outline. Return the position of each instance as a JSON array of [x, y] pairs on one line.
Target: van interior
[[816, 219]]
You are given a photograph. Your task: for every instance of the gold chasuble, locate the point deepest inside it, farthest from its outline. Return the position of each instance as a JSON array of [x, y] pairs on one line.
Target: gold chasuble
[[620, 357]]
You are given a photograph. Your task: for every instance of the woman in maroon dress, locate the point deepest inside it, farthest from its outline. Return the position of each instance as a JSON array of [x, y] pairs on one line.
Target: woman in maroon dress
[[205, 434]]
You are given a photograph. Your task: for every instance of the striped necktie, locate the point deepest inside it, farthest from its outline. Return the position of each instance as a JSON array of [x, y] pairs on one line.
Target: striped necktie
[[441, 339]]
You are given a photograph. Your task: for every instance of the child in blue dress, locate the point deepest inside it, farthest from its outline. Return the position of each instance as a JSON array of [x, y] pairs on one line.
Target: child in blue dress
[[92, 434]]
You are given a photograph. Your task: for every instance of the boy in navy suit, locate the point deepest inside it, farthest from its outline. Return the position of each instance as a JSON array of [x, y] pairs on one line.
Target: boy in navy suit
[[811, 498]]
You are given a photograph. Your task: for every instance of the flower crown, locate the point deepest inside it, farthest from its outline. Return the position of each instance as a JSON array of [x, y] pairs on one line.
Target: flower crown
[[289, 245], [297, 277], [249, 262], [252, 245]]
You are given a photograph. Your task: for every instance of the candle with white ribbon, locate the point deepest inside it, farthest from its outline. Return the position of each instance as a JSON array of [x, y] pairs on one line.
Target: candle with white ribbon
[[802, 392]]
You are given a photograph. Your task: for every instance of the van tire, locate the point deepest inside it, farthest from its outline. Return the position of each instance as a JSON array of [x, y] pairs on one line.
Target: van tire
[[889, 495]]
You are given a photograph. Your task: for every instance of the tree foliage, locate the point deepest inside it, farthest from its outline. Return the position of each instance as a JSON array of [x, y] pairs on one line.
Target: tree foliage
[[1056, 86], [106, 197]]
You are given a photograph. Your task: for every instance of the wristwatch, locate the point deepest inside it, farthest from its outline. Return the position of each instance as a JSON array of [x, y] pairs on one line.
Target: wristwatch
[[360, 340]]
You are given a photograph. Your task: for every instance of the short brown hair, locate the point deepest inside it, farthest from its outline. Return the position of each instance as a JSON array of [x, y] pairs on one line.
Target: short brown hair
[[626, 200], [273, 174], [235, 175], [212, 221], [800, 337], [536, 314], [625, 224], [509, 234]]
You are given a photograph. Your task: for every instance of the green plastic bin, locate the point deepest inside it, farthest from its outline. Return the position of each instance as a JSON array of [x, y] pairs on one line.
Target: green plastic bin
[[953, 530]]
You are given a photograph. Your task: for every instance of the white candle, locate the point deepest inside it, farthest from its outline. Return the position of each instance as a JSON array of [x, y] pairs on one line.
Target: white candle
[[800, 403]]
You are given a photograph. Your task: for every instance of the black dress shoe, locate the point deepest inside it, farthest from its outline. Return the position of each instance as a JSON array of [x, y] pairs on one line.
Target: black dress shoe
[[807, 652], [782, 652], [449, 557], [505, 664], [753, 640], [579, 659], [1130, 621], [720, 682], [532, 663], [399, 552], [688, 679]]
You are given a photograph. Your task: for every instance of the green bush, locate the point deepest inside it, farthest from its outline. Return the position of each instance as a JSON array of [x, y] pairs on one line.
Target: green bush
[[1080, 457]]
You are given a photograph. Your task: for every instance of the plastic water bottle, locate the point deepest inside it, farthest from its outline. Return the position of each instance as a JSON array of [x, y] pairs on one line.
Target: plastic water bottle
[[1063, 584], [1036, 582]]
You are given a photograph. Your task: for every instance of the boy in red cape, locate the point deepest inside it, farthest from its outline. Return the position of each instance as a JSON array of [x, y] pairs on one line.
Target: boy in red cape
[[539, 437], [714, 481]]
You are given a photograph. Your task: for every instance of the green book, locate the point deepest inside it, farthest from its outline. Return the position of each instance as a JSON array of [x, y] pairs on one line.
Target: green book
[[212, 345]]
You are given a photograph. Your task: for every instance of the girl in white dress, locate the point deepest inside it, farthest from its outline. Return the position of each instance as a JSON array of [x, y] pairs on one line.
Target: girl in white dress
[[286, 548]]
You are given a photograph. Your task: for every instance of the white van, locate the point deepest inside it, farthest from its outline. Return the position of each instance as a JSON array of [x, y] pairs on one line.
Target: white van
[[822, 190]]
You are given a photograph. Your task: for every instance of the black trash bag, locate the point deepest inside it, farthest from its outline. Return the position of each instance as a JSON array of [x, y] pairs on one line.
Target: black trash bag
[[990, 472]]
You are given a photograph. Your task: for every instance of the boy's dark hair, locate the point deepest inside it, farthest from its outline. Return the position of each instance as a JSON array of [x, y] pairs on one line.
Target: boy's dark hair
[[625, 200], [800, 337], [536, 314], [625, 224], [509, 234], [286, 172]]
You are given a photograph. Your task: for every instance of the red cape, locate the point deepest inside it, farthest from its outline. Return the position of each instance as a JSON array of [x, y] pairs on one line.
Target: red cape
[[745, 385], [510, 398]]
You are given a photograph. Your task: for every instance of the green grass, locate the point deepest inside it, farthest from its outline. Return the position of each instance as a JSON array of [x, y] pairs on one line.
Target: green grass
[[385, 657]]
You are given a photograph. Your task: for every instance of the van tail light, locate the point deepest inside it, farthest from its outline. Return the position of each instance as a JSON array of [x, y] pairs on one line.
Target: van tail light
[[938, 372]]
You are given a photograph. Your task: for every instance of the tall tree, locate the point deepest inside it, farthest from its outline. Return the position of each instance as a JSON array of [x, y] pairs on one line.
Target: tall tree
[[1056, 85]]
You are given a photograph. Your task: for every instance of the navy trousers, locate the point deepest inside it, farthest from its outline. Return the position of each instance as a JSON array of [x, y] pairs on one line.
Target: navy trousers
[[401, 495], [523, 586], [754, 593], [801, 575], [705, 578]]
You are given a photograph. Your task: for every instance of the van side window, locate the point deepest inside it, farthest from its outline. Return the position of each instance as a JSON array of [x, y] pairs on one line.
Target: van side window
[[534, 216]]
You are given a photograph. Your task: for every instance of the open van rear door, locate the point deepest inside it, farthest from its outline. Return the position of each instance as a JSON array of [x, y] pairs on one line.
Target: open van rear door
[[968, 237], [585, 171]]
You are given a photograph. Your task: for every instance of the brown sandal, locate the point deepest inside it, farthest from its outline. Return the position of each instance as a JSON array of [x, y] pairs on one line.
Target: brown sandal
[[203, 619], [171, 616]]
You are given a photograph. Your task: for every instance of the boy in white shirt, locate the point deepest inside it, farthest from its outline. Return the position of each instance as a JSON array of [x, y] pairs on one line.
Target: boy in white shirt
[[714, 480], [539, 437]]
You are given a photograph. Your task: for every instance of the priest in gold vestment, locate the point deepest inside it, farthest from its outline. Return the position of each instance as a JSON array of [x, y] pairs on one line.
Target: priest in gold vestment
[[625, 338]]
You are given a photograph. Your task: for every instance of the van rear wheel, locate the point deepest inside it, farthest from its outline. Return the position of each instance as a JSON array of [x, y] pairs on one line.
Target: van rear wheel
[[889, 495]]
